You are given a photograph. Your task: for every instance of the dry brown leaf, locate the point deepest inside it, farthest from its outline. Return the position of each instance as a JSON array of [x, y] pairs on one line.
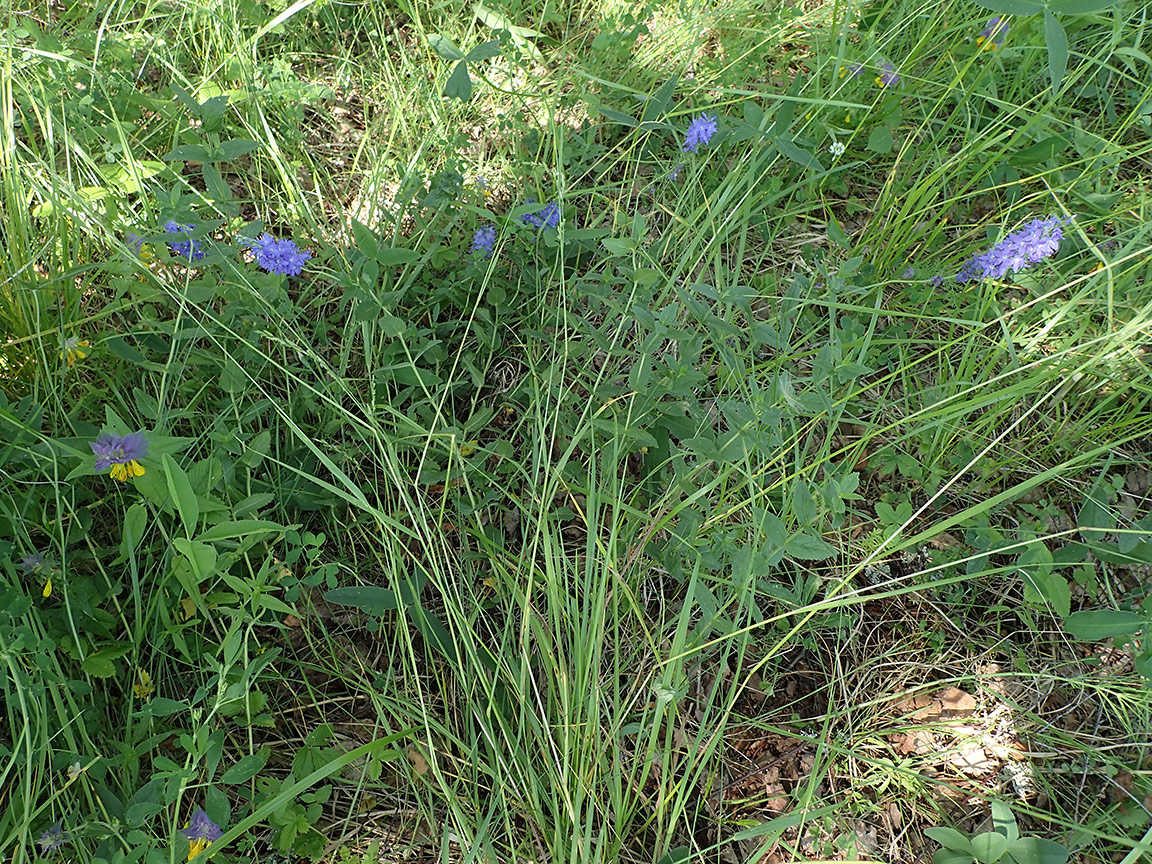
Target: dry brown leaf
[[419, 763]]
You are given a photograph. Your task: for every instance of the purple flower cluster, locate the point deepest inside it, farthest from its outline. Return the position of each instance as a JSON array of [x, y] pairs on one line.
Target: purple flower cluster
[[484, 240], [888, 76], [200, 831], [994, 33], [120, 453], [189, 249], [546, 217], [34, 563], [52, 840], [700, 132], [1037, 240], [279, 256]]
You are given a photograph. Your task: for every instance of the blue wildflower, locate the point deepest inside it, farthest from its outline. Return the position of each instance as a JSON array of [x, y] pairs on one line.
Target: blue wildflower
[[200, 831], [546, 217], [1037, 240], [484, 240], [74, 348], [853, 69], [52, 840], [700, 131], [888, 76], [936, 281], [33, 564], [120, 453], [279, 256], [909, 272], [993, 34], [189, 249]]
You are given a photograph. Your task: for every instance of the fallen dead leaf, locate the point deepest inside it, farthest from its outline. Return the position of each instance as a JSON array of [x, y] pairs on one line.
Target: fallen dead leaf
[[955, 702], [419, 763]]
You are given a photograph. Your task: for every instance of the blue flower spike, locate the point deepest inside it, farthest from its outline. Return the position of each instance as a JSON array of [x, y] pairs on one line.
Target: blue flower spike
[[546, 217], [700, 132], [189, 248], [1037, 240], [484, 240]]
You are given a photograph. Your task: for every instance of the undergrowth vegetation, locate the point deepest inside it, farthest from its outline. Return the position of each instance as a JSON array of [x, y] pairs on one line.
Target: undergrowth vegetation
[[509, 432]]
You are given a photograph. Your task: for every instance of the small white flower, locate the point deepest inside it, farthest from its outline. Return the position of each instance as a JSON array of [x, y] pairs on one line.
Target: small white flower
[[837, 148]]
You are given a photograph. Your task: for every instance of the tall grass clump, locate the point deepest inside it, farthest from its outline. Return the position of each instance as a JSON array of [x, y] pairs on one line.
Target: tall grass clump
[[518, 432]]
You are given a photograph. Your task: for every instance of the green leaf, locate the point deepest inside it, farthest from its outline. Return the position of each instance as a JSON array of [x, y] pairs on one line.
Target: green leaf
[[1004, 821], [445, 47], [435, 633], [1041, 583], [1041, 151], [952, 856], [119, 346], [374, 599], [459, 85], [390, 257], [950, 838], [484, 51], [1057, 41], [214, 182], [101, 663], [135, 522], [246, 768], [1097, 624], [201, 556], [1079, 7], [99, 667], [366, 239], [1012, 7], [368, 598], [797, 154], [618, 117], [497, 21], [679, 855], [1035, 850], [989, 847], [1094, 513], [229, 150], [880, 141], [1143, 664], [808, 547], [188, 153], [239, 528], [181, 491], [656, 106], [159, 706]]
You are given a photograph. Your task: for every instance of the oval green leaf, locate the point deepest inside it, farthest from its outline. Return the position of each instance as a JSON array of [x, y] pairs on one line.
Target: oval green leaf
[[1097, 624]]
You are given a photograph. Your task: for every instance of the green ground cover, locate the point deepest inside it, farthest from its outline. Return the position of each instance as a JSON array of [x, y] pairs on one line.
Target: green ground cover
[[528, 432]]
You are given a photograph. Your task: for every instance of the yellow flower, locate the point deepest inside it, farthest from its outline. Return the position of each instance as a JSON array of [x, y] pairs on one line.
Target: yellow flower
[[47, 592], [196, 847], [143, 687], [123, 470], [74, 350]]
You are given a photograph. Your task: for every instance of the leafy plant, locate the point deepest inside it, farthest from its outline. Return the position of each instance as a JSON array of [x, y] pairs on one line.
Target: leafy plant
[[1003, 842]]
